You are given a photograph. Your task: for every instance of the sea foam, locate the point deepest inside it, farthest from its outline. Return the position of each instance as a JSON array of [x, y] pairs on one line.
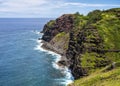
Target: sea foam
[[68, 79], [35, 31]]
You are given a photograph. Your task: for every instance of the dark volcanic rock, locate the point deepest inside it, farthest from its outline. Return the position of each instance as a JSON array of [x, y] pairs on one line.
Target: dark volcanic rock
[[61, 24], [63, 62], [39, 38]]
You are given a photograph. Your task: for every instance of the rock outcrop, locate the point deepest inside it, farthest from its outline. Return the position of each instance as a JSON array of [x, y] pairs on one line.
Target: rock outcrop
[[85, 42], [61, 24], [56, 32]]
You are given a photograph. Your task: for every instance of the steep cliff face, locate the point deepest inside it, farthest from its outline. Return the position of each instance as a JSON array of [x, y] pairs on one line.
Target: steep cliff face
[[56, 32], [61, 24], [88, 42], [83, 52]]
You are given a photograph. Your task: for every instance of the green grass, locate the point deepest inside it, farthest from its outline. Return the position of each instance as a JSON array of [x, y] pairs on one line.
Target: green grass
[[114, 57], [51, 23], [60, 34], [107, 24], [88, 60], [100, 78], [109, 29]]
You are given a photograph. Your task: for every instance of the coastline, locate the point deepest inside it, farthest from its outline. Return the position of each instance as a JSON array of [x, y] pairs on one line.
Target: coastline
[[57, 64]]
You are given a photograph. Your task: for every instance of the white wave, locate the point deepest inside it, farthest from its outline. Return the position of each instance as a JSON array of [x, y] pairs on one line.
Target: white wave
[[36, 32], [39, 47], [68, 76], [55, 65], [68, 79]]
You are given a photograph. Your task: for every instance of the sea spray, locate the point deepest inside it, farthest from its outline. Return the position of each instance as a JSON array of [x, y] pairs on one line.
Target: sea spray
[[68, 76]]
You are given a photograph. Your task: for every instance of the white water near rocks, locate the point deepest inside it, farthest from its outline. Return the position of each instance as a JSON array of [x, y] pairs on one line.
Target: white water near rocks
[[68, 76]]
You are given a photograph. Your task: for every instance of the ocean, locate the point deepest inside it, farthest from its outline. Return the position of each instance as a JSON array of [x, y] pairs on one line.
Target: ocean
[[22, 60]]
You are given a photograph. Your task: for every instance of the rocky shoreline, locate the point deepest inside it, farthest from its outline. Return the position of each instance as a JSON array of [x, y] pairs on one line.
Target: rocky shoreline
[[47, 46], [62, 63]]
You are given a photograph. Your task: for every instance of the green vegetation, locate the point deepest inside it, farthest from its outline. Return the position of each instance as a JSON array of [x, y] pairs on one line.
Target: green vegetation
[[101, 31], [100, 78], [109, 29], [90, 60], [61, 41], [51, 23], [79, 22], [94, 16], [59, 36], [114, 57]]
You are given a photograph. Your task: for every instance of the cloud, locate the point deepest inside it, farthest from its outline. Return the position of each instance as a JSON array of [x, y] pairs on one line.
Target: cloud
[[43, 7], [21, 4], [88, 5], [74, 4], [24, 3], [1, 2]]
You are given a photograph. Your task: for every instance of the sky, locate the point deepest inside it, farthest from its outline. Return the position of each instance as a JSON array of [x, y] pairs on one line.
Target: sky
[[51, 8]]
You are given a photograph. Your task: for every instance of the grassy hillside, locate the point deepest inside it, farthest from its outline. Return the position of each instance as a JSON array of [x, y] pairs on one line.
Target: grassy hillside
[[101, 78], [104, 53], [90, 43]]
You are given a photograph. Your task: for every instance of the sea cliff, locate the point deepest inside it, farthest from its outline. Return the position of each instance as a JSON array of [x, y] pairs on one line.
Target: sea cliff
[[86, 43]]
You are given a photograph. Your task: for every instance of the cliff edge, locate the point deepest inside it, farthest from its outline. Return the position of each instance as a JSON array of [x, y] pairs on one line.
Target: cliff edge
[[87, 43]]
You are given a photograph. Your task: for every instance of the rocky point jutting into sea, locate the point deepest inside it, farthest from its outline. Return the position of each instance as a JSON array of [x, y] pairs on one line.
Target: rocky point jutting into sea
[[86, 43]]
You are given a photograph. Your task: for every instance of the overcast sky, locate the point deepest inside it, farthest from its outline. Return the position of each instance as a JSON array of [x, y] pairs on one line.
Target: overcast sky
[[52, 8]]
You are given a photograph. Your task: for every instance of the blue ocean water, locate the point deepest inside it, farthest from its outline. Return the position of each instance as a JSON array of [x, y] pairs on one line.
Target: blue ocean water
[[22, 63]]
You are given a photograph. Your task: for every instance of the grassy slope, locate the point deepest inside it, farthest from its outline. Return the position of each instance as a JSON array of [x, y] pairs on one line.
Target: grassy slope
[[99, 78], [108, 25]]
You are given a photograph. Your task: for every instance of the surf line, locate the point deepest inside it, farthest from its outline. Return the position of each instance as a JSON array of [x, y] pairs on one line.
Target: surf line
[[68, 79]]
